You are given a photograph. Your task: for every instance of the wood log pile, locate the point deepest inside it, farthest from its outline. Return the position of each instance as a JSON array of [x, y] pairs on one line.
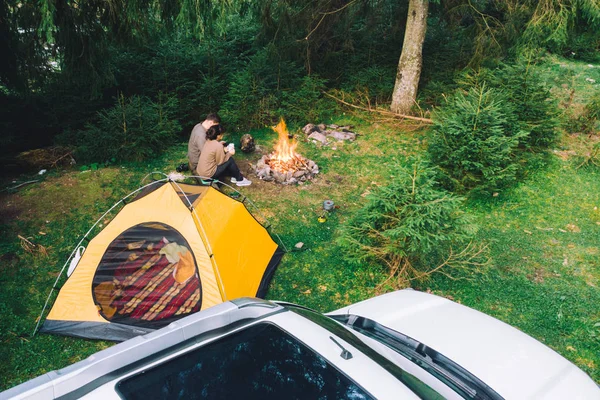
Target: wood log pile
[[297, 170]]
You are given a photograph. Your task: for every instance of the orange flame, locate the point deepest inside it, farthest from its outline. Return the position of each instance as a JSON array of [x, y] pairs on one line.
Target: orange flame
[[284, 158], [284, 150]]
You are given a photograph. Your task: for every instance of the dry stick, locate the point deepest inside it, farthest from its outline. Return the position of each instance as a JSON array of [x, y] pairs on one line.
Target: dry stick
[[26, 241], [61, 157], [383, 112], [326, 14], [22, 184]]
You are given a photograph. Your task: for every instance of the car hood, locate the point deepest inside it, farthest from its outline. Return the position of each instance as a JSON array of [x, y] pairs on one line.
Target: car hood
[[512, 363]]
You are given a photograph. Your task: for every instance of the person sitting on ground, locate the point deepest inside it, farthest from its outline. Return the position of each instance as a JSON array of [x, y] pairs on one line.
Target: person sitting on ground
[[216, 161], [198, 138]]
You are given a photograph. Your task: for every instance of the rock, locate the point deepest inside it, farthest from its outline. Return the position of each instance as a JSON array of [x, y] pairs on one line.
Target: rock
[[346, 128], [264, 172], [322, 127], [333, 126], [279, 177], [319, 137], [342, 135], [299, 245], [300, 173], [247, 143], [308, 128]]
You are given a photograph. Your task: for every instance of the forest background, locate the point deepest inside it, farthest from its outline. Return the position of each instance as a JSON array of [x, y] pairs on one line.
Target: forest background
[[506, 148]]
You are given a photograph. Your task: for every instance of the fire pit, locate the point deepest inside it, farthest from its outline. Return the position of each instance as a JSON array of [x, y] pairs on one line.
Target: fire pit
[[284, 165]]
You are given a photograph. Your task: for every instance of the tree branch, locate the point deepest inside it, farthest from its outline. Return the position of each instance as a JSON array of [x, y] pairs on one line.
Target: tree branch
[[326, 14], [383, 112]]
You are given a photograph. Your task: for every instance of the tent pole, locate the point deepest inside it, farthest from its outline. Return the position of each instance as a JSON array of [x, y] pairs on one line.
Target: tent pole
[[39, 320], [205, 239]]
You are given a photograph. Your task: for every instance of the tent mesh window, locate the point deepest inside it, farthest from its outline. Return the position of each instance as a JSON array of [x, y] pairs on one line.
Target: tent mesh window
[[147, 277]]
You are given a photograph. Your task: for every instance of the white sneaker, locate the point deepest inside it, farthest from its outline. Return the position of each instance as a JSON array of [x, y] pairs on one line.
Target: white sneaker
[[243, 182], [233, 180]]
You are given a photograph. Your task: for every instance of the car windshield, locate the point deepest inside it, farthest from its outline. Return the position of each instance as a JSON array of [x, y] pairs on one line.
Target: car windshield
[[453, 375], [419, 388], [258, 362]]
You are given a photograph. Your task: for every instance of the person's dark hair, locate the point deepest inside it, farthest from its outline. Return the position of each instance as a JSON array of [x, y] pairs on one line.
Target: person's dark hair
[[214, 117], [213, 132]]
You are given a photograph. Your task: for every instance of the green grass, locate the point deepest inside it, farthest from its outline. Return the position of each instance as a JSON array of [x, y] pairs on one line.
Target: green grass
[[543, 235], [545, 245]]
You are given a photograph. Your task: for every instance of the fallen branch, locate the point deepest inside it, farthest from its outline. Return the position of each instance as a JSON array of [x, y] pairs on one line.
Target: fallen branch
[[21, 184], [69, 154], [382, 112], [31, 247]]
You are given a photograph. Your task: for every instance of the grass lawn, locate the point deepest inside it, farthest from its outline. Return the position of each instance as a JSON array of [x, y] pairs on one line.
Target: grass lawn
[[543, 236]]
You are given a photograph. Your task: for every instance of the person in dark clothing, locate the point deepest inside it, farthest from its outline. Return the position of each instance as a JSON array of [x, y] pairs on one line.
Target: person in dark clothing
[[198, 138]]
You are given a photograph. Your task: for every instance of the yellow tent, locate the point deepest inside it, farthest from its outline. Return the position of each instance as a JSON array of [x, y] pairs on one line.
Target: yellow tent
[[173, 250]]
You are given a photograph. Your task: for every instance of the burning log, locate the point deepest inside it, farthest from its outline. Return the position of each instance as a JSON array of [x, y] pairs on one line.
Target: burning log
[[284, 165]]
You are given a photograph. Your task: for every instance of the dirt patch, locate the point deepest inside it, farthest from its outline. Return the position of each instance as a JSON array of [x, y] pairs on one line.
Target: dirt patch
[[56, 196], [538, 275], [8, 262], [11, 207]]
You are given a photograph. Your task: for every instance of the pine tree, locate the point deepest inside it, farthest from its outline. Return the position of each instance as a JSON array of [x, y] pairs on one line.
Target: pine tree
[[475, 140], [412, 227]]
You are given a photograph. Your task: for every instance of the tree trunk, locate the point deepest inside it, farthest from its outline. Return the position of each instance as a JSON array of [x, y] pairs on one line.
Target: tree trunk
[[411, 59]]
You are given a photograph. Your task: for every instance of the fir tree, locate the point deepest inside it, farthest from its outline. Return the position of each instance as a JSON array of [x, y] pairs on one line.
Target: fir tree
[[475, 141]]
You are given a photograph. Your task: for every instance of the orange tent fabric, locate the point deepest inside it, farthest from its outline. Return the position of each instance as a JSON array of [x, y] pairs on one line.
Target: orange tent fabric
[[173, 250]]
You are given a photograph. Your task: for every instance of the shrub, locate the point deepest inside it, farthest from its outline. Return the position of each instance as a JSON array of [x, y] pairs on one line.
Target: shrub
[[475, 140], [306, 103], [410, 226], [255, 92], [535, 109], [587, 121], [374, 84], [533, 104], [134, 129]]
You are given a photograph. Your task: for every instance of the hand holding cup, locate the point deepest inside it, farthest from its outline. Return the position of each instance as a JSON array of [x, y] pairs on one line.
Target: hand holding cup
[[231, 149]]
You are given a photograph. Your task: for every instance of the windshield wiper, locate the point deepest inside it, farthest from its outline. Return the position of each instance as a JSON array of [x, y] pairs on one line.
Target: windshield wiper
[[456, 377]]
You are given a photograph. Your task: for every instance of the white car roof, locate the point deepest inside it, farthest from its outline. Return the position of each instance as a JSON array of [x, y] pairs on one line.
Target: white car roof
[[512, 363]]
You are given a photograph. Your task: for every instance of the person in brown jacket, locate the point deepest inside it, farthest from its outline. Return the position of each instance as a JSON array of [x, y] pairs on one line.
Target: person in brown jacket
[[216, 161]]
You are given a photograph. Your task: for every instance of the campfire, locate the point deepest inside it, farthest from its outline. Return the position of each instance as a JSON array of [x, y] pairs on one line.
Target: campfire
[[284, 165]]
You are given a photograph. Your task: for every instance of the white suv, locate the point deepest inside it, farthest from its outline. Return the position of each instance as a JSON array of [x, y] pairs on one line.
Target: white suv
[[404, 344]]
